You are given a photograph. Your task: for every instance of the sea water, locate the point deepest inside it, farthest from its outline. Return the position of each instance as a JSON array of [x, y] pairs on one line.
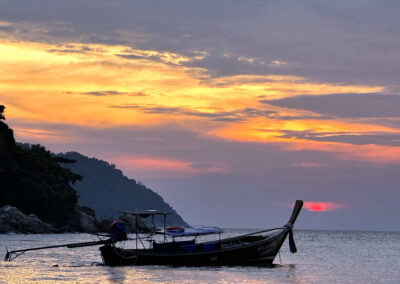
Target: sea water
[[323, 257]]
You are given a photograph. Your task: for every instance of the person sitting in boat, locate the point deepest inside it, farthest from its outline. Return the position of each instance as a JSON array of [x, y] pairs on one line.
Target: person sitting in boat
[[118, 231]]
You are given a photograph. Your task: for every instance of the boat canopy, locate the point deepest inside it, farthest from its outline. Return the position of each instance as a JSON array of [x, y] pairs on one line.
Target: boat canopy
[[194, 231], [147, 213]]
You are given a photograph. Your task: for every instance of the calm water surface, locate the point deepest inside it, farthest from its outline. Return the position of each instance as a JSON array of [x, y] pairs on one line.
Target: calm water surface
[[323, 257]]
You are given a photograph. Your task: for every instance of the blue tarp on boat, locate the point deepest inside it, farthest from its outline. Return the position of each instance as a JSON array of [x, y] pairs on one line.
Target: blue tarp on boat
[[194, 231]]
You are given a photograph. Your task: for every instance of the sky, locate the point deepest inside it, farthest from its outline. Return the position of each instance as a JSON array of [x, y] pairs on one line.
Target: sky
[[230, 110]]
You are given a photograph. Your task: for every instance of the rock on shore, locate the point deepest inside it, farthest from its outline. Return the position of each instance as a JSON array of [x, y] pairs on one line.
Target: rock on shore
[[130, 223], [13, 220], [85, 221]]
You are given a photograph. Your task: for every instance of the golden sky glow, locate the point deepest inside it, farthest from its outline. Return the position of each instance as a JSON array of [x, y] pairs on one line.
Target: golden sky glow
[[104, 85], [251, 106]]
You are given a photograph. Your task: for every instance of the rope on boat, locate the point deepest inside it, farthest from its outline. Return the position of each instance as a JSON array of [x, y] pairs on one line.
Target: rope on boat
[[319, 258]]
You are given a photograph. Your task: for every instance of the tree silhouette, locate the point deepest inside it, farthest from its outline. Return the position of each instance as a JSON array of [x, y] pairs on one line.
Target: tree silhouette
[[2, 112], [32, 180]]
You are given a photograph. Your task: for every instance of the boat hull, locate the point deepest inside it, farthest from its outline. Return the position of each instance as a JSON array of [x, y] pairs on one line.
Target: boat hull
[[236, 252]]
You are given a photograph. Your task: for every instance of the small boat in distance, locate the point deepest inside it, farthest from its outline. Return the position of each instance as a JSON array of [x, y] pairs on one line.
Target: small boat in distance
[[257, 248]]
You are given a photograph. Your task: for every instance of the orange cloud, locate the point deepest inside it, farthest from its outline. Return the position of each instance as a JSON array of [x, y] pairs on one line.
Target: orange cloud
[[272, 131], [49, 83], [167, 167], [367, 153], [42, 136], [322, 206]]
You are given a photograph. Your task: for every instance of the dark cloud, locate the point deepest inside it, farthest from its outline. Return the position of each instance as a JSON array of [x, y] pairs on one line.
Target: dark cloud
[[387, 139], [344, 105], [103, 93], [111, 93], [138, 94], [357, 42], [301, 117], [229, 116], [66, 50], [72, 49], [7, 28], [132, 56]]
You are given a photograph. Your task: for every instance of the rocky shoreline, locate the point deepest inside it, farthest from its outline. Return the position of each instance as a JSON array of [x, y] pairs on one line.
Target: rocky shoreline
[[12, 220]]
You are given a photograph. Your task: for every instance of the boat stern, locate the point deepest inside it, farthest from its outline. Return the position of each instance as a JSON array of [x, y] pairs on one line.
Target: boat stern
[[114, 256]]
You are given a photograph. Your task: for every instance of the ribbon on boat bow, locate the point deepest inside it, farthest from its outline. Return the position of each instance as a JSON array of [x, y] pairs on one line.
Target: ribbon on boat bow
[[292, 244]]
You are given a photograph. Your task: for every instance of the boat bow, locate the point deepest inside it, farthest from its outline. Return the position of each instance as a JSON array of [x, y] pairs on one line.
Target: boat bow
[[296, 210]]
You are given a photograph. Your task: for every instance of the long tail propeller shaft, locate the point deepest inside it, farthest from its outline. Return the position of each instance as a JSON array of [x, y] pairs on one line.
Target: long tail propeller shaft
[[11, 255]]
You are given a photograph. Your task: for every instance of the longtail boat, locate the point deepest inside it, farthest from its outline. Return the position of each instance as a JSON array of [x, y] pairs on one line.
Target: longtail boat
[[174, 248]]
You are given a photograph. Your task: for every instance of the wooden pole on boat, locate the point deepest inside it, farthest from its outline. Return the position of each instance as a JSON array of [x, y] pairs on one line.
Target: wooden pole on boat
[[136, 225], [10, 255], [165, 226]]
